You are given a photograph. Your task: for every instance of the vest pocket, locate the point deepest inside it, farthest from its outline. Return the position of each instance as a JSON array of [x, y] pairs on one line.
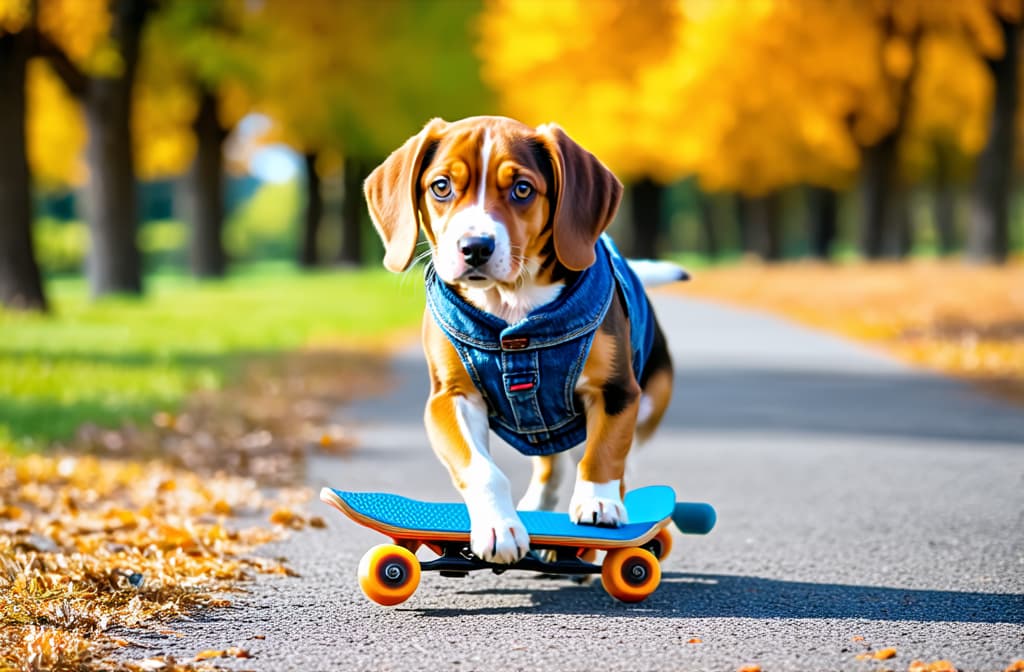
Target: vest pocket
[[521, 392], [520, 384]]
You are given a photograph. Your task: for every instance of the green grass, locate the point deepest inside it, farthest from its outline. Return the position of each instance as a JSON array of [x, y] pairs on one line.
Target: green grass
[[121, 359]]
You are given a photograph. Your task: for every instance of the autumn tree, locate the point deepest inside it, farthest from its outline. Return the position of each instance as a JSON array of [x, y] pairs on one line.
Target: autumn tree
[[356, 79], [988, 237], [208, 56], [301, 86], [94, 47], [20, 281], [740, 105], [583, 68]]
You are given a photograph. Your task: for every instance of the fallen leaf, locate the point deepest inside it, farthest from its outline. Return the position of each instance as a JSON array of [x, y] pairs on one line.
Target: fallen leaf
[[885, 654], [238, 652], [210, 654], [284, 517], [750, 668], [1016, 666], [694, 640], [940, 666], [10, 512]]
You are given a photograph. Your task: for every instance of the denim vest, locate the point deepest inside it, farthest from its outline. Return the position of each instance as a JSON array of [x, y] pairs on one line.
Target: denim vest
[[527, 371]]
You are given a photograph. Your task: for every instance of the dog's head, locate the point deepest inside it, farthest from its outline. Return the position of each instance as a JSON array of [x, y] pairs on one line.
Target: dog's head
[[497, 201]]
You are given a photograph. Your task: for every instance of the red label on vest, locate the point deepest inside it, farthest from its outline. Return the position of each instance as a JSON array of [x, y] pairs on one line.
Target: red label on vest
[[520, 387]]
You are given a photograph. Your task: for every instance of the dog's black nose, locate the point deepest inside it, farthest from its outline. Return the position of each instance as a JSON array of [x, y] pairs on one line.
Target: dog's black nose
[[476, 250]]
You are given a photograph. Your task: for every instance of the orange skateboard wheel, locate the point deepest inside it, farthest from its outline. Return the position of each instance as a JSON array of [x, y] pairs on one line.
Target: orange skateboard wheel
[[630, 574], [389, 574], [662, 544]]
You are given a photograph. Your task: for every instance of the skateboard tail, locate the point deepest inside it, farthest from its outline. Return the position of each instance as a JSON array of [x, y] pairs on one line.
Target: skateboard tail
[[694, 517]]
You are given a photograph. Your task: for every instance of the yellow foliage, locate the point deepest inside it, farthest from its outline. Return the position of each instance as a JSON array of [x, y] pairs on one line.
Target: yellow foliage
[[82, 29], [299, 102], [750, 95], [581, 67], [14, 14], [162, 125], [953, 91], [55, 129]]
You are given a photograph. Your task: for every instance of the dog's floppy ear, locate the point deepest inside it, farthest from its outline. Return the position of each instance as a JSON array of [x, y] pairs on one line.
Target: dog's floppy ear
[[391, 193], [586, 196]]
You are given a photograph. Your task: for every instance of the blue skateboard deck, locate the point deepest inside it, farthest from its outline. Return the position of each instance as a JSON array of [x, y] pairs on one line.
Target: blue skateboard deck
[[648, 510], [389, 573]]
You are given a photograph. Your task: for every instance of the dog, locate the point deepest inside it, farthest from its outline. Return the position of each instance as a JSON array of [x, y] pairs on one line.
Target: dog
[[535, 326]]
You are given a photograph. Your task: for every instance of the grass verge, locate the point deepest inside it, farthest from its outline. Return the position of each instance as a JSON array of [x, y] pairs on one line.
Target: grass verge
[[119, 360]]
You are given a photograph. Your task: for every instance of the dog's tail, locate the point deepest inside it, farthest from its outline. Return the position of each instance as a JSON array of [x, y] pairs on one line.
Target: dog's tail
[[653, 273]]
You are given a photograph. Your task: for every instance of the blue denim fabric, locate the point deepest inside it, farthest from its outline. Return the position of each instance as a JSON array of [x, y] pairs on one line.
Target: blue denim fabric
[[527, 372]]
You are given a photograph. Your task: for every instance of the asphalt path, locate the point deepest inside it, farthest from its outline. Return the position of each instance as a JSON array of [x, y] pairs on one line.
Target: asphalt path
[[862, 505]]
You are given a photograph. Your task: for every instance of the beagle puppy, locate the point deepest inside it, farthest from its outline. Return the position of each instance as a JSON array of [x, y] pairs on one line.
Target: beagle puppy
[[535, 326]]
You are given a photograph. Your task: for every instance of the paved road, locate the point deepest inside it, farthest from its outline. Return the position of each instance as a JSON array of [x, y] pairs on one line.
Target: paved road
[[857, 499]]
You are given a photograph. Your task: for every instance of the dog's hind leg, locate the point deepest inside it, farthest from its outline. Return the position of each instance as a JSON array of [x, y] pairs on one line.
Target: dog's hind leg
[[656, 385], [542, 493]]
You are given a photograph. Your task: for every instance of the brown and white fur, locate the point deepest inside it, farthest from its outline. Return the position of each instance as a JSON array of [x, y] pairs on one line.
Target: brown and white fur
[[511, 214]]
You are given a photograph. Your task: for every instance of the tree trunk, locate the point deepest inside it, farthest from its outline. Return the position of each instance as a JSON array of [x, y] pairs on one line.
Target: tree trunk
[[206, 192], [708, 231], [20, 282], [988, 238], [885, 226], [647, 204], [763, 226], [308, 256], [885, 220], [944, 202], [351, 251], [114, 264], [822, 220]]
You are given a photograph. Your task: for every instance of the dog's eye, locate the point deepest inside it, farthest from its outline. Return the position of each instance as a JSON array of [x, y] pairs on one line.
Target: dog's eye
[[522, 190], [441, 188]]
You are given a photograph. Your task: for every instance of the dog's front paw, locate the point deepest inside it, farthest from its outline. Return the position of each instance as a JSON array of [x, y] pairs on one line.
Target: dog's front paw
[[597, 504], [499, 539]]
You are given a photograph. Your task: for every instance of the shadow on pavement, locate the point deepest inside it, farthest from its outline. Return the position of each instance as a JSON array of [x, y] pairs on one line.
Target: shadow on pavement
[[684, 595], [710, 595]]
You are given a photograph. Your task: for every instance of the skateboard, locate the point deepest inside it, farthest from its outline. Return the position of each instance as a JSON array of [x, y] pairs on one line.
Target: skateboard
[[390, 573]]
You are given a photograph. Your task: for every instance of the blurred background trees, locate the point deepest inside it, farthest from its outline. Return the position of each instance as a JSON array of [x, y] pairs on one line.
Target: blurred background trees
[[198, 134]]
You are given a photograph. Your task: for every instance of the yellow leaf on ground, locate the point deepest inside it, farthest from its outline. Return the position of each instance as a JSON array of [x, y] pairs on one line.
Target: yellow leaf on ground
[[934, 666], [283, 516]]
